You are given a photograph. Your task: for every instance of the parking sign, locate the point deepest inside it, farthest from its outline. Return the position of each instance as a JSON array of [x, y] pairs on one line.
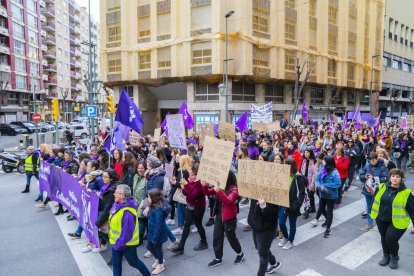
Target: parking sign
[[91, 111]]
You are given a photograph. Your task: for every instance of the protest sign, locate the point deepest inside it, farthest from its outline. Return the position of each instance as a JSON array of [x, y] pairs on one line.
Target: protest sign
[[205, 130], [274, 126], [388, 120], [168, 170], [157, 134], [261, 114], [176, 131], [272, 182], [227, 131], [45, 176], [410, 121], [134, 137], [216, 161]]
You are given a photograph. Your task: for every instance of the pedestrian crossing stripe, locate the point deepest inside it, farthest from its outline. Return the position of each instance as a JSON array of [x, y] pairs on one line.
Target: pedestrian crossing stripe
[[309, 272]]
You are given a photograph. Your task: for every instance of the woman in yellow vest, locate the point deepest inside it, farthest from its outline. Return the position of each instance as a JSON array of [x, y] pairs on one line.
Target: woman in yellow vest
[[392, 209], [123, 233]]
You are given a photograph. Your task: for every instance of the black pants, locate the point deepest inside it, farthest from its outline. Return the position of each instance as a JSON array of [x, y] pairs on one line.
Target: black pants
[[340, 191], [228, 227], [351, 174], [211, 201], [173, 205], [389, 237], [197, 217], [262, 242], [328, 212], [311, 195]]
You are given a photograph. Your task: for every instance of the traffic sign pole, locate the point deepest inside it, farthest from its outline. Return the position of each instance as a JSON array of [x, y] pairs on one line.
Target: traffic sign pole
[[37, 118]]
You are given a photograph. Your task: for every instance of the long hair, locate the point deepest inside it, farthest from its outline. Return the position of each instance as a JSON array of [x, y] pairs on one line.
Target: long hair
[[231, 181], [157, 197], [293, 166], [120, 156], [113, 175], [186, 162], [311, 153], [330, 163], [161, 154], [245, 152], [130, 160]]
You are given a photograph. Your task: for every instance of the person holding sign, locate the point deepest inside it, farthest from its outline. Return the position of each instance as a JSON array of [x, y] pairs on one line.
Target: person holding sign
[[225, 219]]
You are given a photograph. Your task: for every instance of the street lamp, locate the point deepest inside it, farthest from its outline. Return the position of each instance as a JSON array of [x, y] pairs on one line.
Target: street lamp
[[372, 78], [226, 94]]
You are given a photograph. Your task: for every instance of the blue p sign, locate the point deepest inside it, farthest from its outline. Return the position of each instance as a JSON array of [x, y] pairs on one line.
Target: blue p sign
[[91, 111]]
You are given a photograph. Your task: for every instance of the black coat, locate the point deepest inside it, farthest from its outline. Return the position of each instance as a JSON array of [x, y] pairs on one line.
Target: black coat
[[128, 177], [105, 204], [296, 197], [72, 168], [262, 219]]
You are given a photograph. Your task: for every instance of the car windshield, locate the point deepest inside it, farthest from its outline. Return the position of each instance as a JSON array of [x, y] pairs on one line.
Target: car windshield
[[14, 126], [28, 124]]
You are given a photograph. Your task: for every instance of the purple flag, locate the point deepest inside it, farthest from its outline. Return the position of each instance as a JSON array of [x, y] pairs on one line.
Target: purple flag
[[403, 123], [125, 131], [331, 122], [377, 124], [128, 113], [346, 120], [192, 140], [107, 143], [366, 117], [188, 120], [304, 112], [216, 127], [242, 122], [164, 124], [357, 115], [114, 140]]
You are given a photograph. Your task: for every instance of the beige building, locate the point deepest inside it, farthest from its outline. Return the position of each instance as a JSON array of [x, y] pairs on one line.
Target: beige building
[[397, 95], [164, 52]]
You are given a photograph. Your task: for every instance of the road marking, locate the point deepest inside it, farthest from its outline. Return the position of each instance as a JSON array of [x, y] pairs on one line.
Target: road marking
[[243, 221], [309, 272], [352, 188], [341, 215], [357, 251], [88, 263]]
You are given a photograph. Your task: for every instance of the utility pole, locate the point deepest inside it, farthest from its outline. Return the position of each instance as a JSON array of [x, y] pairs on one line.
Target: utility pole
[[34, 110], [90, 80], [230, 13], [370, 86]]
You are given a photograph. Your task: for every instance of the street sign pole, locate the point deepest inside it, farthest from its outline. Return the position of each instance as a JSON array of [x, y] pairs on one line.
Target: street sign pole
[[36, 118], [111, 121], [37, 136], [57, 134]]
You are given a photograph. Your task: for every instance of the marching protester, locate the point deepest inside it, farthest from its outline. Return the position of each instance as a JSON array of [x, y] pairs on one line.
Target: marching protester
[[117, 163], [342, 165], [139, 192], [307, 170], [31, 166]]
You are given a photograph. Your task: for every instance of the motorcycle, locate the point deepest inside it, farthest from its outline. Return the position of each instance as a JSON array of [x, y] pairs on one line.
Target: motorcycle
[[11, 161]]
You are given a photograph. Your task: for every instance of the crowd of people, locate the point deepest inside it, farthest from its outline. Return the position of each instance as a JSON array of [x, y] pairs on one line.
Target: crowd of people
[[139, 198]]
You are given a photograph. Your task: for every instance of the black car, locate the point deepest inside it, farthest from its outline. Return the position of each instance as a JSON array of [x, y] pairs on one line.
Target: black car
[[11, 130], [26, 125]]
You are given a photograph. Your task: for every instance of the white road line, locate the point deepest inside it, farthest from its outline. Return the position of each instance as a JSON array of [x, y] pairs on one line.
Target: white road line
[[309, 272], [341, 215], [243, 221], [357, 251], [89, 264], [352, 188]]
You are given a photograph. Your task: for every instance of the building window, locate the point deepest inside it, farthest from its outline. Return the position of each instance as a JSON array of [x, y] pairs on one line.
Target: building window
[[300, 100], [144, 26], [205, 119], [332, 68], [19, 48], [31, 5], [201, 53], [317, 96], [290, 60], [261, 18], [20, 64], [290, 29], [18, 30], [351, 72], [333, 12], [364, 100], [114, 63], [114, 33], [313, 36], [32, 37], [145, 60], [113, 5], [21, 82], [243, 92], [406, 67], [130, 90], [291, 4], [394, 64], [206, 92], [164, 58], [164, 25], [274, 93], [34, 68], [33, 53], [332, 42], [17, 12], [12, 98], [260, 57], [312, 8], [352, 49], [201, 18], [31, 21]]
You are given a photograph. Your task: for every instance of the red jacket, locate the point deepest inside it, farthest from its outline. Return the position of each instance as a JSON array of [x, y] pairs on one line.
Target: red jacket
[[297, 156], [194, 193], [229, 209], [342, 165], [118, 169]]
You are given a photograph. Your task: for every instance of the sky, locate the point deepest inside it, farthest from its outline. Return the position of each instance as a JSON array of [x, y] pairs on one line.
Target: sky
[[94, 7]]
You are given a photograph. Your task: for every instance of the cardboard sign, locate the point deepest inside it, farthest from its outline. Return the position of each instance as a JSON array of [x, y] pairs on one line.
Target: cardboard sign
[[176, 131], [134, 138], [227, 131], [274, 126], [205, 130], [168, 170], [270, 180], [216, 161], [157, 134], [410, 121]]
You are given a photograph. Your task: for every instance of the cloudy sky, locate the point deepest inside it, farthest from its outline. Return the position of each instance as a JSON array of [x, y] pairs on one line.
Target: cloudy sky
[[94, 7]]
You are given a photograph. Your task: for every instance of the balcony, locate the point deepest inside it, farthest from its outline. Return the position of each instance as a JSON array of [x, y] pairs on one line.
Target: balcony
[[78, 87], [50, 40], [45, 77], [78, 53], [51, 68], [50, 54], [72, 61], [42, 3], [73, 74], [44, 62], [43, 18], [4, 49], [52, 81], [50, 1], [77, 18], [49, 26], [4, 31], [73, 85], [44, 48], [5, 68], [74, 29], [43, 33], [48, 12], [78, 64], [72, 50], [3, 11]]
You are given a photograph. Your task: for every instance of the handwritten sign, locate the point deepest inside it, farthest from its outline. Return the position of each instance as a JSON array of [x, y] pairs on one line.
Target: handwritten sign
[[176, 131], [410, 121], [274, 126], [157, 134], [134, 137], [205, 130], [227, 131], [272, 182], [216, 161], [261, 114]]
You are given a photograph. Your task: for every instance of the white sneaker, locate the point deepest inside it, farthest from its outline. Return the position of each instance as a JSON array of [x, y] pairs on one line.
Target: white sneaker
[[148, 254], [171, 245], [156, 263], [314, 222], [177, 231], [194, 230], [287, 246], [100, 249], [88, 248], [282, 242], [170, 222]]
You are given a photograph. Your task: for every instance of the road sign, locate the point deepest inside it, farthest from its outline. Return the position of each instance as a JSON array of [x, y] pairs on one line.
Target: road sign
[[36, 117], [91, 111]]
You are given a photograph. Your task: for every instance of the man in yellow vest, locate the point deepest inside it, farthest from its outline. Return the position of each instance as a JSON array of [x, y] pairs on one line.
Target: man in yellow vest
[[124, 231], [31, 165], [392, 209]]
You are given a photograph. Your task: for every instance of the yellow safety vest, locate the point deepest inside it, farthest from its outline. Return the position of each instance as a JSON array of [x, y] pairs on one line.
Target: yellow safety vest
[[115, 226], [400, 218], [28, 163]]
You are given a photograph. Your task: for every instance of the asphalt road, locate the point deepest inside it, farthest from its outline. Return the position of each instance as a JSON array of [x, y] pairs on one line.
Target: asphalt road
[[34, 242]]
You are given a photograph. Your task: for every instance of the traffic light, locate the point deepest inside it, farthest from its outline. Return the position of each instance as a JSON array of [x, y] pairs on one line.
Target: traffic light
[[55, 110], [110, 104]]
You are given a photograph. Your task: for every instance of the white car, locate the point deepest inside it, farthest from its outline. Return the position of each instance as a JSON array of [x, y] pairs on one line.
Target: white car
[[80, 130]]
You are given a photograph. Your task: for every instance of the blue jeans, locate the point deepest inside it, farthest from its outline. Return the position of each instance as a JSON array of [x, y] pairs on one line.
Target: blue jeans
[[130, 254], [170, 234], [29, 178], [156, 251], [180, 214], [79, 230], [369, 200], [292, 224]]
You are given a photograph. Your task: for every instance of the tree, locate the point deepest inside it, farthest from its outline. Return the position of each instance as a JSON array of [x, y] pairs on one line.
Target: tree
[[300, 84], [333, 93]]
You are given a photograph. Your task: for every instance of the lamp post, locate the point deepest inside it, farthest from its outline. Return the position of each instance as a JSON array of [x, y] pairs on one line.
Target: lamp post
[[372, 78], [33, 87]]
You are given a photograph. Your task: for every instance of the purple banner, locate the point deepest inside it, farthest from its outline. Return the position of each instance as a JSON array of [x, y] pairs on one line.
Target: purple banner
[[45, 176], [83, 205], [366, 117]]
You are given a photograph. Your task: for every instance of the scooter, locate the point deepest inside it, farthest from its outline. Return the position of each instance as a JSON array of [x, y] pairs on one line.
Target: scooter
[[11, 161]]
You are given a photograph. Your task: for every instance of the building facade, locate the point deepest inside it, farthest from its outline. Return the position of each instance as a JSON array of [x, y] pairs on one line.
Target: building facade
[[164, 52], [397, 94]]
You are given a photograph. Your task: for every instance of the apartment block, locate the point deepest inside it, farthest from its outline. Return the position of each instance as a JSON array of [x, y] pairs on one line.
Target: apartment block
[[397, 94]]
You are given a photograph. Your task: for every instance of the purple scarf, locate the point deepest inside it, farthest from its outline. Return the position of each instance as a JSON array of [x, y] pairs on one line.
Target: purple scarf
[[104, 189], [324, 173], [95, 157], [403, 144], [65, 164], [81, 175], [316, 151]]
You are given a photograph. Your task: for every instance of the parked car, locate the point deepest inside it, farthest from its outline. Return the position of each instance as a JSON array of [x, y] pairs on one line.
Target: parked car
[[31, 128], [80, 131], [60, 125], [80, 120], [11, 130], [44, 127]]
